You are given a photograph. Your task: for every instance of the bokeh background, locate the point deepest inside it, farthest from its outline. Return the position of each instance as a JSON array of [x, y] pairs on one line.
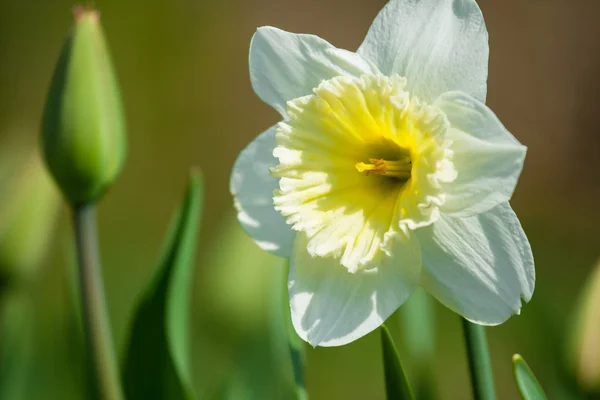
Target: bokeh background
[[183, 70]]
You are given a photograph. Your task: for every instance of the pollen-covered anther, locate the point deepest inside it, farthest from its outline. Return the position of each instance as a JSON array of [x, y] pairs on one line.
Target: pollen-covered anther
[[399, 169]]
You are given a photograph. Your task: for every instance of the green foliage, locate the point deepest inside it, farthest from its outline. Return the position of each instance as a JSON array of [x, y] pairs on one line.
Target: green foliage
[[29, 205], [583, 337], [396, 383], [83, 127], [526, 381], [16, 331], [156, 364]]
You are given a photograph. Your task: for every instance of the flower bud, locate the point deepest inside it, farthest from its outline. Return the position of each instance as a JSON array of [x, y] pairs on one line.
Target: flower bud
[[83, 127], [584, 345], [28, 209]]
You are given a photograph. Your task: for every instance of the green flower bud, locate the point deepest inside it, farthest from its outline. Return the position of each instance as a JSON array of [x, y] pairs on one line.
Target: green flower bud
[[583, 352], [28, 209], [83, 128]]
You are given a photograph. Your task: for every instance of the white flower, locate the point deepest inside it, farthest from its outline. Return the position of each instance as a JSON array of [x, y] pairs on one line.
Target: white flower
[[387, 172]]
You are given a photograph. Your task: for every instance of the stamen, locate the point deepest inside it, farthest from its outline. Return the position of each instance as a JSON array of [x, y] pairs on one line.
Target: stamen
[[399, 169]]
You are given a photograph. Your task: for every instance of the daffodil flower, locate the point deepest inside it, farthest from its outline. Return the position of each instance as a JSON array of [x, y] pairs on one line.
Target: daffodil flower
[[387, 172]]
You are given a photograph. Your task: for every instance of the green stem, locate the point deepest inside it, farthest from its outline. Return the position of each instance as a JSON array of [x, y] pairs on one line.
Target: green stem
[[95, 318], [480, 365], [295, 345]]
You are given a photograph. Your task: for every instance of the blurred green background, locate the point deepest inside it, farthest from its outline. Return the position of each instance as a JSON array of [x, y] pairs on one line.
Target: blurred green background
[[183, 70]]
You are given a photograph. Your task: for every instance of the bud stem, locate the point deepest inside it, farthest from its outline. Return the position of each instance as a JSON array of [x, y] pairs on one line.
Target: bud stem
[[95, 318], [482, 378]]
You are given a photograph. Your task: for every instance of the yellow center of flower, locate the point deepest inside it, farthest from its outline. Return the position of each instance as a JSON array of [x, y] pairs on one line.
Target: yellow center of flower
[[360, 165]]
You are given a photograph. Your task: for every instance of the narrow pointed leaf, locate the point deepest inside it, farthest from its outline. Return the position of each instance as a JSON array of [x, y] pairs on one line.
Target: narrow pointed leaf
[[528, 385], [156, 364], [396, 383]]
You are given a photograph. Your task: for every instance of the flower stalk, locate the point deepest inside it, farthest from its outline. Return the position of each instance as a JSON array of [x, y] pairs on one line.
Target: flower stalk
[[294, 346], [84, 146], [480, 366], [95, 318]]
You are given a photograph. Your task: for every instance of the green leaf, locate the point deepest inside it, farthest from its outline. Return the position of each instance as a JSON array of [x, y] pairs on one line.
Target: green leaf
[[396, 383], [156, 364], [528, 385], [18, 359]]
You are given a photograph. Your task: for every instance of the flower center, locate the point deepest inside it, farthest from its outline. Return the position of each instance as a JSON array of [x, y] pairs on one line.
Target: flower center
[[361, 163], [398, 169]]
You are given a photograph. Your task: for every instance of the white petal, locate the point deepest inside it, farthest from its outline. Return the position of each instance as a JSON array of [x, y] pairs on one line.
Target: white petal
[[487, 157], [332, 307], [438, 45], [284, 65], [252, 188], [479, 267]]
